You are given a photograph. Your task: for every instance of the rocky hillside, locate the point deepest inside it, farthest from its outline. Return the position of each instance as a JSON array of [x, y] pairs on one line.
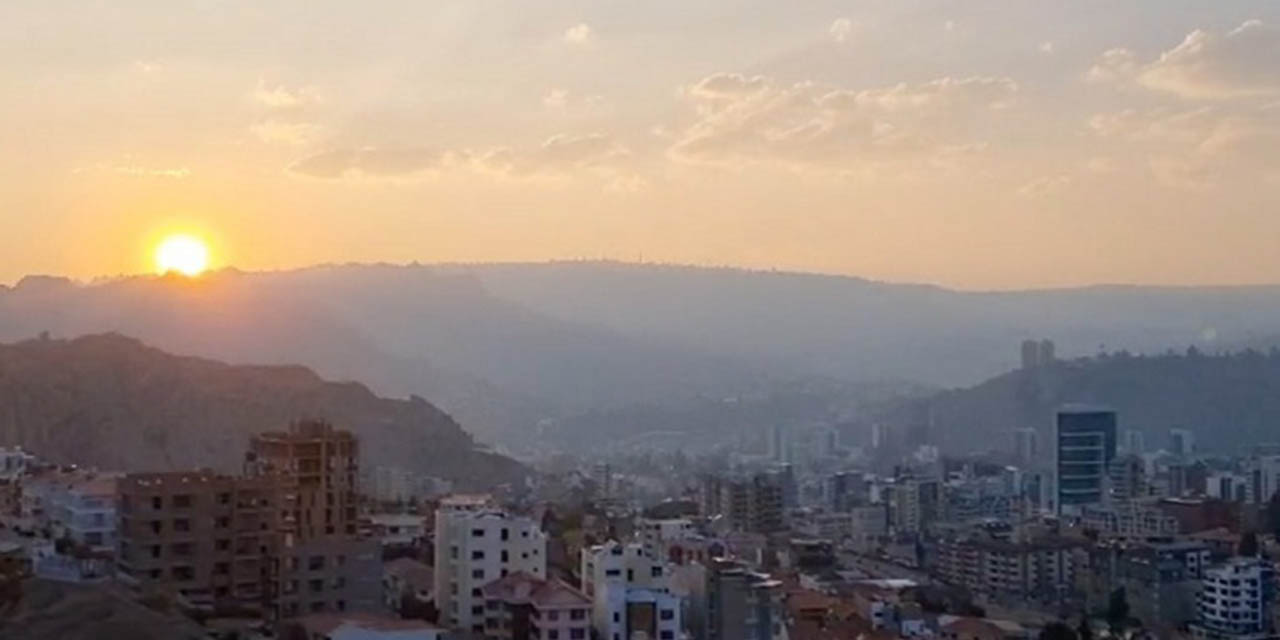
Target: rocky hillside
[[112, 402], [1229, 401]]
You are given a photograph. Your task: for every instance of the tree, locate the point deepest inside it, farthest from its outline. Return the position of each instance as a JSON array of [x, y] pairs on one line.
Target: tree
[[1057, 631], [1248, 545], [1117, 609]]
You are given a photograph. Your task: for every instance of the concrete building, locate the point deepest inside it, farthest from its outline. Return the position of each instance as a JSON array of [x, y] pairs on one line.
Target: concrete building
[[201, 535], [476, 544], [1038, 570], [631, 593], [321, 563], [1133, 519], [733, 602], [916, 503], [1182, 443], [1263, 478], [84, 510], [1236, 600], [1085, 445], [407, 585], [1024, 445], [282, 536], [1134, 442], [844, 490], [754, 503], [1127, 478], [520, 606]]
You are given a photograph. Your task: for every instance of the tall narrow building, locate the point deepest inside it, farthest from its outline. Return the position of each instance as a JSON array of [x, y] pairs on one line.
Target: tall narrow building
[[1085, 445], [320, 563]]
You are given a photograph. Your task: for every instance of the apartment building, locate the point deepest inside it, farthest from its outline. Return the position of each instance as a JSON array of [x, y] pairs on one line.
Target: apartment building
[[520, 606], [204, 536], [83, 510], [475, 544], [630, 592], [734, 602], [999, 568], [752, 503], [321, 563], [281, 536], [1236, 601]]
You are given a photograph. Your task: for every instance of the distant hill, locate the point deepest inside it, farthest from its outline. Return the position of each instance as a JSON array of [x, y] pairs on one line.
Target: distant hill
[[1228, 401], [512, 350], [112, 402]]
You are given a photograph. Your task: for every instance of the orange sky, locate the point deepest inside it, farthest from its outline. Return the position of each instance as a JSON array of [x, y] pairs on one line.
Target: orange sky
[[976, 145]]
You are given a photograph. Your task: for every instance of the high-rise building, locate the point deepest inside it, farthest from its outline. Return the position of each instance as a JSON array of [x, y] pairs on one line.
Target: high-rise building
[[916, 503], [1024, 445], [281, 536], [321, 562], [1182, 442], [1085, 444], [1134, 443], [196, 534], [476, 544], [1235, 601], [752, 503], [1127, 476], [844, 490], [733, 602], [779, 443], [630, 591], [1264, 478]]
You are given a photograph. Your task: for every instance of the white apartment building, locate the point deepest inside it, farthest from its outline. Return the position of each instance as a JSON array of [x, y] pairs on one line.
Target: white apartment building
[[630, 593], [85, 512], [477, 544], [1235, 600]]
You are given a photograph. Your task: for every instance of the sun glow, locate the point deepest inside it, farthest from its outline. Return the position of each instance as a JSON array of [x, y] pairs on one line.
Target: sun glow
[[184, 254]]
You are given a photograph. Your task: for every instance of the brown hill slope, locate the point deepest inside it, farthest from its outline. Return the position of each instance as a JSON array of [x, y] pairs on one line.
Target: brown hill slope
[[112, 402]]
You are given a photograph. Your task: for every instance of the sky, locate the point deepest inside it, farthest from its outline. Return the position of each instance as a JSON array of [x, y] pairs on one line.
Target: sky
[[975, 144]]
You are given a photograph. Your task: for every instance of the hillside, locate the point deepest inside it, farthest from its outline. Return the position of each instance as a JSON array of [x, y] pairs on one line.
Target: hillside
[[1229, 401], [112, 402], [509, 348]]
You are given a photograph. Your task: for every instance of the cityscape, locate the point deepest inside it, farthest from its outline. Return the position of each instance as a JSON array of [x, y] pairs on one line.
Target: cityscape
[[639, 320]]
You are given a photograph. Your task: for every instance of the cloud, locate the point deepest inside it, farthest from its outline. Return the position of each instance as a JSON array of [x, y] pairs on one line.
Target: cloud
[[1045, 47], [1242, 63], [1046, 186], [369, 162], [841, 29], [579, 34], [280, 97], [1201, 147], [139, 171], [749, 120], [563, 101], [1115, 65], [294, 133], [560, 157], [556, 99]]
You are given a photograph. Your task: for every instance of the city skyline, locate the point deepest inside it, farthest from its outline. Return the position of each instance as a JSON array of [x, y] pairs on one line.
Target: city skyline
[[1038, 145]]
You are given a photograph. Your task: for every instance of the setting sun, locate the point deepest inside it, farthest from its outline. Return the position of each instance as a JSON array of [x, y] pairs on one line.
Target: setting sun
[[185, 254]]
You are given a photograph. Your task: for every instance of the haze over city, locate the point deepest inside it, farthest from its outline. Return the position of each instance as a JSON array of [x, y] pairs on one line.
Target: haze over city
[[639, 320], [971, 144]]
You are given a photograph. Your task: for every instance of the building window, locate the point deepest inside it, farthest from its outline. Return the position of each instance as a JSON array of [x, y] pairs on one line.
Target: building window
[[577, 633], [553, 634], [477, 533], [315, 563], [224, 498], [553, 615], [506, 533], [577, 614], [222, 545], [666, 614], [182, 502], [477, 555], [316, 586], [666, 634], [182, 524], [505, 555], [478, 574], [157, 503], [656, 571]]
